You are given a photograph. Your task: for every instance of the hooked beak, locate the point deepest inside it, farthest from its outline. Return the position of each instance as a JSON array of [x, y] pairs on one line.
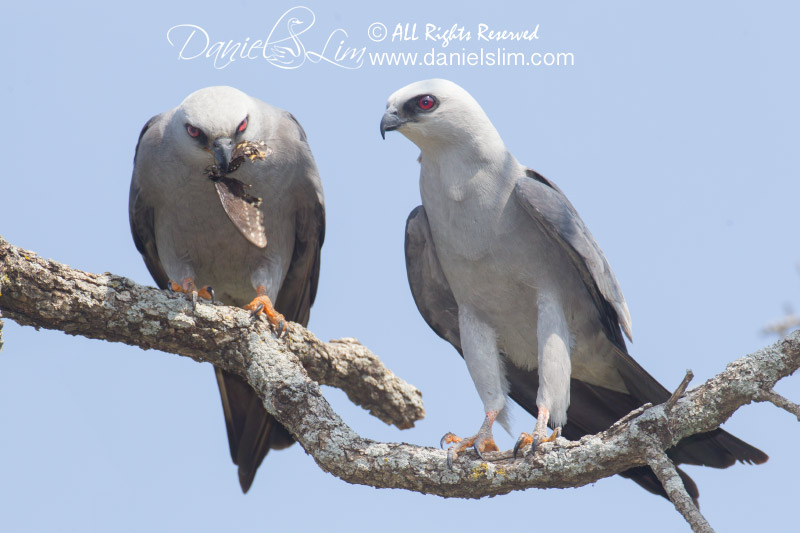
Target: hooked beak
[[223, 151], [391, 121]]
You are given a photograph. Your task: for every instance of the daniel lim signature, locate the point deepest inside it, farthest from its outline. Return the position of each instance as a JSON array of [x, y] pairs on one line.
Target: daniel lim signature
[[282, 48]]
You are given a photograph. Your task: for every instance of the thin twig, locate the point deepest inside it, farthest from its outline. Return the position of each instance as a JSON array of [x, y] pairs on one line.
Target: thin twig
[[630, 416], [681, 390], [779, 401]]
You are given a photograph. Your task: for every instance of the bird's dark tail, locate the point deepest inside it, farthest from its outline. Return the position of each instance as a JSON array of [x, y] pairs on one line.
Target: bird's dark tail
[[717, 449], [252, 432]]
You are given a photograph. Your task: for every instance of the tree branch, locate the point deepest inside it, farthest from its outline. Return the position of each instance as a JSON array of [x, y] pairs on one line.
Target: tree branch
[[47, 294], [41, 293], [668, 476]]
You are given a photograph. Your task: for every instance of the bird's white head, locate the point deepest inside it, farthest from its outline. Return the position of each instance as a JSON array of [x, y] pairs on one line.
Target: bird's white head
[[212, 120], [437, 113]]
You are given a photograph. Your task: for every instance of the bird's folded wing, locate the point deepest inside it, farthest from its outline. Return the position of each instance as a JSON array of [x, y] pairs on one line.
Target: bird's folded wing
[[141, 217], [546, 204], [430, 288]]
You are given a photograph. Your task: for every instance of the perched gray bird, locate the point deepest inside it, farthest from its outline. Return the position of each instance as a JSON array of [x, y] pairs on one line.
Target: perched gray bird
[[501, 266], [225, 193]]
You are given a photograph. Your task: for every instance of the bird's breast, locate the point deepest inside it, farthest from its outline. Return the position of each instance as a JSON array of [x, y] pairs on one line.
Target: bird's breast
[[193, 232]]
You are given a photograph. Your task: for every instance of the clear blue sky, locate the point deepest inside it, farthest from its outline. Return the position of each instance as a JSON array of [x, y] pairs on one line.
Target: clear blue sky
[[675, 134]]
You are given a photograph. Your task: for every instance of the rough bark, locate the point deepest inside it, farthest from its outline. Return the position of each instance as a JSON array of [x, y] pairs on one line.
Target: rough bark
[[666, 472], [41, 293], [47, 294]]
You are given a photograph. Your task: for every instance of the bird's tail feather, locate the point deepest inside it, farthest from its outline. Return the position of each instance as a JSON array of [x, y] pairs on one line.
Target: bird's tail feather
[[252, 432]]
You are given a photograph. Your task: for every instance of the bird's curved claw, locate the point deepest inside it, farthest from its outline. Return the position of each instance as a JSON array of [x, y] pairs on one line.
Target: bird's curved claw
[[449, 438], [480, 442], [477, 449], [523, 440], [261, 305], [188, 287], [534, 439]]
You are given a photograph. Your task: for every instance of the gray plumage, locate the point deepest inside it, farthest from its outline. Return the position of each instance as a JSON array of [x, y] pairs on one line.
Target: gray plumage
[[182, 230], [501, 266]]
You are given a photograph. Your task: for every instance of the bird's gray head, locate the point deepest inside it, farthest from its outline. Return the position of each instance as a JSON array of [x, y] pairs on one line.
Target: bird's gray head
[[212, 120], [435, 113]]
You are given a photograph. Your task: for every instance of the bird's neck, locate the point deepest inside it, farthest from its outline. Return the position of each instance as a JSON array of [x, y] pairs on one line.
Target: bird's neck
[[482, 171]]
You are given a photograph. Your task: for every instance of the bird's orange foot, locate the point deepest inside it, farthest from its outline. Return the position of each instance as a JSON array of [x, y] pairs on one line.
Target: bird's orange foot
[[539, 434], [188, 287], [261, 304], [530, 439], [482, 441]]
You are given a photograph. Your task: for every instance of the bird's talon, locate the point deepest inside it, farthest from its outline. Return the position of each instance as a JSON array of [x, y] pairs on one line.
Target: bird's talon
[[554, 435], [535, 442], [522, 441], [188, 287], [451, 456], [449, 438], [477, 449]]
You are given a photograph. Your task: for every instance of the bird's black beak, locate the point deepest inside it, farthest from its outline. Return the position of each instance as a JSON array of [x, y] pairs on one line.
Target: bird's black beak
[[223, 151], [391, 122]]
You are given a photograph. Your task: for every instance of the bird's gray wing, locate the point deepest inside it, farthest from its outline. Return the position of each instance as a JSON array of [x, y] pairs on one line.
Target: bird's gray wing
[[551, 209], [546, 204], [593, 408], [429, 287], [140, 215], [299, 288], [252, 431]]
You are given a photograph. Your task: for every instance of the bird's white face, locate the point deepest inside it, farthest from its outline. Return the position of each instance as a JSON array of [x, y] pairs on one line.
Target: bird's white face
[[433, 113], [211, 121]]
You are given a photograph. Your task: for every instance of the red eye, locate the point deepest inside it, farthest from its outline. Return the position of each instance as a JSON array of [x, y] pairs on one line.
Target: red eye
[[193, 132], [426, 102], [243, 125]]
